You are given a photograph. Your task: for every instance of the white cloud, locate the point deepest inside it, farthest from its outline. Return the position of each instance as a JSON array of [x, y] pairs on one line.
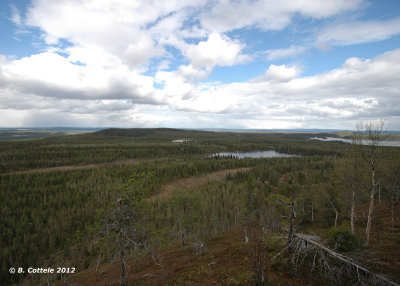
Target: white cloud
[[323, 8], [163, 65], [359, 89], [270, 14], [193, 74], [138, 52], [217, 50], [366, 88], [357, 32], [15, 15], [278, 123], [175, 85], [44, 67], [279, 74], [118, 29], [292, 51], [92, 56], [49, 74]]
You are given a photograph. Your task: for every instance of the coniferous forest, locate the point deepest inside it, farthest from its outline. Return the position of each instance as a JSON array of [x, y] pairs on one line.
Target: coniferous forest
[[164, 207]]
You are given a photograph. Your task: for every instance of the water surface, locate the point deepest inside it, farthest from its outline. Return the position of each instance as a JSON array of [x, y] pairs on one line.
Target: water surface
[[365, 142], [254, 154]]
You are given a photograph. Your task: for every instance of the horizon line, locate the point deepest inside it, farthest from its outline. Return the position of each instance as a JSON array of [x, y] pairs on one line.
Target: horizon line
[[200, 129]]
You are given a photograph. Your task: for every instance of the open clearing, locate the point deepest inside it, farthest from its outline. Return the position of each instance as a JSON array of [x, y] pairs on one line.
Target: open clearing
[[194, 182]]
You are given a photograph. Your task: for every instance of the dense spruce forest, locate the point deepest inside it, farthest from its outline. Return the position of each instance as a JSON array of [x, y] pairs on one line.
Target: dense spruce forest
[[158, 207]]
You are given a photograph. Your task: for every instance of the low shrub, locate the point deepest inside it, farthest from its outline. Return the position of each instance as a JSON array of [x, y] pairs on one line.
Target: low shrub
[[343, 240]]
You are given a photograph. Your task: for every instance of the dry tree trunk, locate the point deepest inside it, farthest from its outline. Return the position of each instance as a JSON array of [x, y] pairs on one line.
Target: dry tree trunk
[[371, 207], [392, 198], [369, 141], [352, 215], [379, 193], [258, 256], [292, 217], [336, 216], [98, 261], [336, 212], [183, 238], [312, 211], [392, 213], [374, 278], [121, 243]]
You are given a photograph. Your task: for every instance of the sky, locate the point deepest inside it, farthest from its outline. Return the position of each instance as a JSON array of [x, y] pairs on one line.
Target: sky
[[254, 64]]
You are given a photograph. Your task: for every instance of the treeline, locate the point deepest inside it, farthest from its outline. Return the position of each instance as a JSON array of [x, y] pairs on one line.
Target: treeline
[[122, 144], [41, 156]]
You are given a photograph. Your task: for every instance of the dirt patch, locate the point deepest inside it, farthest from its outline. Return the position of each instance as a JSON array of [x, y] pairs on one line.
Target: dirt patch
[[194, 182]]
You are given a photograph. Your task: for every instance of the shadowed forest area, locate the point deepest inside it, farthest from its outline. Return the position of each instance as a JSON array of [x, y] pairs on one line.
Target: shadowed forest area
[[154, 207]]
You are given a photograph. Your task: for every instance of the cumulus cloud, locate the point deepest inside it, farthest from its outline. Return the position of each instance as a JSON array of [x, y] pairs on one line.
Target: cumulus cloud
[[279, 74], [116, 29], [52, 75], [138, 52], [356, 89], [217, 50], [359, 88]]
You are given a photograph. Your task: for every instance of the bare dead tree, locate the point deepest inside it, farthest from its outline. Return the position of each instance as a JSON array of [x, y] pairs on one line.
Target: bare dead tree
[[270, 219], [198, 247], [291, 220], [343, 265], [393, 189], [336, 211], [246, 238], [352, 180], [312, 211], [183, 238], [258, 257], [369, 139], [331, 265]]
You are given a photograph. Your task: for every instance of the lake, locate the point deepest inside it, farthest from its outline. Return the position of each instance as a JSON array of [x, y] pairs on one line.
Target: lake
[[382, 143], [254, 154]]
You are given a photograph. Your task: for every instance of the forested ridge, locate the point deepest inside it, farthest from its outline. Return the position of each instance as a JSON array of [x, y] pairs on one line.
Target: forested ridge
[[119, 144], [57, 218]]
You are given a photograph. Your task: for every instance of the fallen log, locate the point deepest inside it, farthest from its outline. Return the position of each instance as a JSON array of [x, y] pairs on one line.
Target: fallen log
[[344, 259]]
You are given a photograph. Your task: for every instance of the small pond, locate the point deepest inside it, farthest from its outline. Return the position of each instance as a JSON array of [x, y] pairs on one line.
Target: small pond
[[254, 154]]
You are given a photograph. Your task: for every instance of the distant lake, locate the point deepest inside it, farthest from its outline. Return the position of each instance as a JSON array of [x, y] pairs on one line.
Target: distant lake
[[382, 143], [182, 140], [254, 154]]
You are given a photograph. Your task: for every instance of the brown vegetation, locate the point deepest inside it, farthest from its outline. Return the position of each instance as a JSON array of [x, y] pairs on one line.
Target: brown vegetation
[[194, 182], [227, 262]]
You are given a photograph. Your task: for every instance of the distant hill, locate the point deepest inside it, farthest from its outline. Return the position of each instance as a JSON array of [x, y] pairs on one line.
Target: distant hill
[[172, 133], [136, 132], [38, 133]]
